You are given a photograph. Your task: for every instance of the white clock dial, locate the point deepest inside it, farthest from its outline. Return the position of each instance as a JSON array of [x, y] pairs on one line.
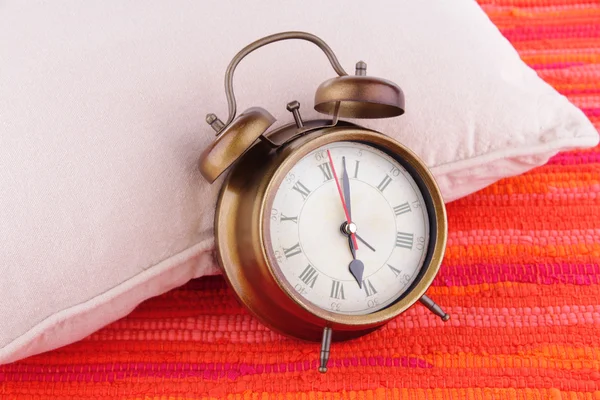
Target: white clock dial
[[387, 209]]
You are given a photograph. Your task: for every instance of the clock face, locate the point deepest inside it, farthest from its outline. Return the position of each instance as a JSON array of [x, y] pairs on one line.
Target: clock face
[[310, 235]]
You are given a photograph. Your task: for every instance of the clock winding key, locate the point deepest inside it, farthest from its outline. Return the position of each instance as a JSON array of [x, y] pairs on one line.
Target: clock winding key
[[294, 108], [215, 122]]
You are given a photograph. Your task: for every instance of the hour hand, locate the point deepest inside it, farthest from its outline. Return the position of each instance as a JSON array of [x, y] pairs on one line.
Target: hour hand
[[356, 267], [364, 242]]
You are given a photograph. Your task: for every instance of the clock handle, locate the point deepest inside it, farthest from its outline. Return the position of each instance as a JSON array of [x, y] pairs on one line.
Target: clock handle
[[260, 43]]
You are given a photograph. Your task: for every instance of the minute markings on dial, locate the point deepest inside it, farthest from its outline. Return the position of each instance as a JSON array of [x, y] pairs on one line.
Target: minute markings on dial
[[292, 251], [305, 240]]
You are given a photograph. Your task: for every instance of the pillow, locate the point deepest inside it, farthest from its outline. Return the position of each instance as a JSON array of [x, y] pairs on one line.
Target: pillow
[[102, 111]]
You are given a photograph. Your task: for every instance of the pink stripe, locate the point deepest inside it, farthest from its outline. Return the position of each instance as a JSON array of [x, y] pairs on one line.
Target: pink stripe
[[589, 193], [589, 72], [591, 112], [551, 32], [560, 65], [591, 189], [190, 329], [561, 51], [113, 372], [530, 9], [526, 237], [573, 158], [464, 275], [506, 317], [586, 101], [568, 91]]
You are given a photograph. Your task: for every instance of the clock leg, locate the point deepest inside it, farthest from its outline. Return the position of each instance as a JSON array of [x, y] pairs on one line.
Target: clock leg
[[434, 308], [325, 346]]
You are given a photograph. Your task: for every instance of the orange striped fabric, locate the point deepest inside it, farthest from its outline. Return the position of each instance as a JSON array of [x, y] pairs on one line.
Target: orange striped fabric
[[521, 280]]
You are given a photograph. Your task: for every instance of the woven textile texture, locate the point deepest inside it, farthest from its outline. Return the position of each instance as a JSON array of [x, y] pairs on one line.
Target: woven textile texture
[[521, 280]]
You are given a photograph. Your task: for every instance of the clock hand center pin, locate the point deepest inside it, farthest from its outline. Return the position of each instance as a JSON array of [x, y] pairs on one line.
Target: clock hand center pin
[[349, 228]]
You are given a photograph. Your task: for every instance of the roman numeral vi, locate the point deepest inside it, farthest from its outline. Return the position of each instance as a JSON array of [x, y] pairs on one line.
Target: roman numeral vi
[[337, 290], [369, 288]]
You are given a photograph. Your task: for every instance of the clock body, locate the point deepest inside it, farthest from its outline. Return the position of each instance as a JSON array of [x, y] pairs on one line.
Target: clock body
[[279, 230]]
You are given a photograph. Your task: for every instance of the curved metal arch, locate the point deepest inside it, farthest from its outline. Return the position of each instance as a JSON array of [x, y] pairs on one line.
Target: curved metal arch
[[260, 43]]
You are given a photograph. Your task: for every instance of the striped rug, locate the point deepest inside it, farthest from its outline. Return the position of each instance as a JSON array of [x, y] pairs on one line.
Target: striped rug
[[521, 279]]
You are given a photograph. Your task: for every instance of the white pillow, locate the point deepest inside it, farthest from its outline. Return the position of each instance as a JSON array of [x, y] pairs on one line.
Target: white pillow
[[102, 111]]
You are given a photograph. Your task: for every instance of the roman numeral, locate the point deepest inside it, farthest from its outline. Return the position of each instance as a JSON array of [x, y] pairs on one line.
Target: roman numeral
[[356, 169], [394, 270], [326, 170], [369, 288], [300, 188], [292, 251], [337, 290], [404, 240], [384, 183], [309, 276], [293, 219], [402, 209]]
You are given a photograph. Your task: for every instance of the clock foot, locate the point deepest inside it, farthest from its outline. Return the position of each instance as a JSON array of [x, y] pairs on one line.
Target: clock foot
[[325, 346], [434, 308]]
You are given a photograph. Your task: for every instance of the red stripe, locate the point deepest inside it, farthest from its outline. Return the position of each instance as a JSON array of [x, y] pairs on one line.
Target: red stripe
[[113, 372]]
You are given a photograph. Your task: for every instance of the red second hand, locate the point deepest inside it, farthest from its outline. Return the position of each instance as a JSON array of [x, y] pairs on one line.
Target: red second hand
[[342, 198]]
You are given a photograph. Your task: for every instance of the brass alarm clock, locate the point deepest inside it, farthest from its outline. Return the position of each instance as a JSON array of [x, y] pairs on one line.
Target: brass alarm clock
[[324, 230]]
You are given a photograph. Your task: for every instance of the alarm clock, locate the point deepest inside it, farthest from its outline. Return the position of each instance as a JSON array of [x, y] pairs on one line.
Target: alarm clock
[[324, 230]]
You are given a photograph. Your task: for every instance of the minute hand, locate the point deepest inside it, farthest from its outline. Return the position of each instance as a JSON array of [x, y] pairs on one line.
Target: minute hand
[[337, 184], [364, 242], [346, 185]]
